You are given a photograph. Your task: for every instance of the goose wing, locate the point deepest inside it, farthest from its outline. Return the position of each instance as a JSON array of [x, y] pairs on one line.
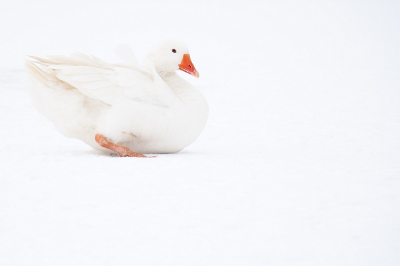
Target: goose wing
[[107, 82]]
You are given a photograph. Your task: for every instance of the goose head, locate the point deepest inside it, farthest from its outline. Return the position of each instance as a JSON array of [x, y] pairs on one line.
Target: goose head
[[170, 55]]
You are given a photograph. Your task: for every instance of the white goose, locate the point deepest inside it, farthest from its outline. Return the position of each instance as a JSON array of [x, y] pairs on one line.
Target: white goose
[[125, 108]]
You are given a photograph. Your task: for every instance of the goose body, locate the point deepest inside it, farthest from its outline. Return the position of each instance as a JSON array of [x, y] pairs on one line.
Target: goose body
[[147, 108]]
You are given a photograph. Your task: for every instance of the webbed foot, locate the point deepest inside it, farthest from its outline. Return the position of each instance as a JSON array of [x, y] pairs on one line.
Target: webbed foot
[[121, 151]]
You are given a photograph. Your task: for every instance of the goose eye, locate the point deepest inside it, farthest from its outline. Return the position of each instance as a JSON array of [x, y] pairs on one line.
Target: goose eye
[[173, 50]]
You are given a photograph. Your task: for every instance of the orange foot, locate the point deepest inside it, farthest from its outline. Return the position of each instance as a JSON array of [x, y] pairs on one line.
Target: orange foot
[[118, 149]]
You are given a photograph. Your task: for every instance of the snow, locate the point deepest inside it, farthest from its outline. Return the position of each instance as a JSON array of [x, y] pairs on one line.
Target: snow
[[299, 163]]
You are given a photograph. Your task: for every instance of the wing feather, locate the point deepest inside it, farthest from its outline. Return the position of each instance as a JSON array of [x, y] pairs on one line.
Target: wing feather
[[107, 82], [126, 54]]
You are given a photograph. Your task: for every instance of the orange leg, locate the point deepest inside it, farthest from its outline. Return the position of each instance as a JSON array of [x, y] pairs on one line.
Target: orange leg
[[118, 149]]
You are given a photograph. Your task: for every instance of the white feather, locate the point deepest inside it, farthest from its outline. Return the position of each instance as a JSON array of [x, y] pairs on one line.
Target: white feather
[[126, 55], [129, 103]]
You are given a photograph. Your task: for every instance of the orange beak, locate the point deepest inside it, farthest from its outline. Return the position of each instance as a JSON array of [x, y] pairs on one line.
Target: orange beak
[[187, 66]]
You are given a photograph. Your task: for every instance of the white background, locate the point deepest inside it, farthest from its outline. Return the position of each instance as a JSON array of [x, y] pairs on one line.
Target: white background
[[299, 163]]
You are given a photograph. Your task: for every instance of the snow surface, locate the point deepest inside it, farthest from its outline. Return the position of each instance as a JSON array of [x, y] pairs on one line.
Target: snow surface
[[299, 163]]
